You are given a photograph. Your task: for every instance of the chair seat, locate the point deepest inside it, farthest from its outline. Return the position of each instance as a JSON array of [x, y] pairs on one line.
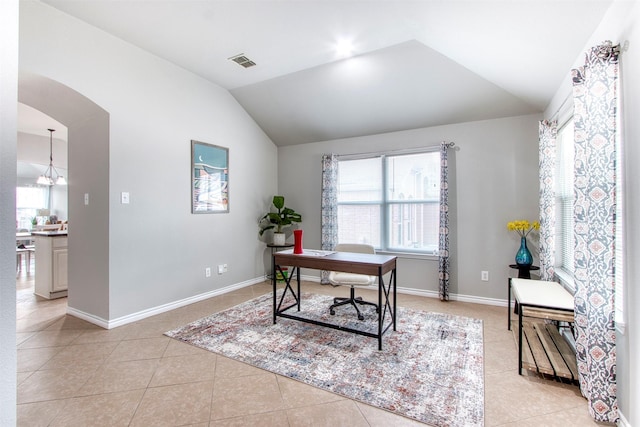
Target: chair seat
[[350, 279]]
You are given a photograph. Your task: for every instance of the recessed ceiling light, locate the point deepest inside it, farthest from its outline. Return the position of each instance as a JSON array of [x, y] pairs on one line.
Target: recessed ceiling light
[[344, 48]]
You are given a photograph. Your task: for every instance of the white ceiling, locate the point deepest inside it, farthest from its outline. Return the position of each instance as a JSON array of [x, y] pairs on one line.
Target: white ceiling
[[415, 64]]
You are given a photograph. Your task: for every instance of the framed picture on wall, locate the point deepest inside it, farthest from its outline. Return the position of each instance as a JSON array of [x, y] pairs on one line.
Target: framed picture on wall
[[209, 178]]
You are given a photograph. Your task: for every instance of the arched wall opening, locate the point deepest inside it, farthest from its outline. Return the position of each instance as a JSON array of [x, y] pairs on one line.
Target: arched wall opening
[[88, 189]]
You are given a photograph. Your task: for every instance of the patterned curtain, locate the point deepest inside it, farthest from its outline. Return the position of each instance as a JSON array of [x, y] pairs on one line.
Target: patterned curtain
[[443, 241], [594, 92], [548, 131], [329, 205]]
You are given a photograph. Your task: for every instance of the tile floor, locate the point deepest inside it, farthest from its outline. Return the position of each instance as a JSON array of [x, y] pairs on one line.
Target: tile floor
[[72, 373]]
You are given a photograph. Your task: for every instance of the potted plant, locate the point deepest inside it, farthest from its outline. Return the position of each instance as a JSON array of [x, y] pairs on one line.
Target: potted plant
[[277, 221]]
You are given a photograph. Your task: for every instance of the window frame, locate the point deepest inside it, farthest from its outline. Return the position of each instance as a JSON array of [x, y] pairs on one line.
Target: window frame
[[385, 204]]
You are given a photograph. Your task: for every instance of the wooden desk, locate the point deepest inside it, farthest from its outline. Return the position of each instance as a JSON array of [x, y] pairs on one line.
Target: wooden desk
[[538, 299], [349, 262]]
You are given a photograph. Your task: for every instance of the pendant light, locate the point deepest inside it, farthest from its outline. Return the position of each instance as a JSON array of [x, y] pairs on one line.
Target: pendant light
[[47, 177]]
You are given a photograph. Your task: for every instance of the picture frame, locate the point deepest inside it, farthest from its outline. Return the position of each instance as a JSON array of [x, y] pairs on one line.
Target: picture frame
[[209, 178]]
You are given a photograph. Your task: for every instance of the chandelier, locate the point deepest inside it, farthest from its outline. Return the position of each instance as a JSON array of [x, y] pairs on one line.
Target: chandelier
[[47, 177]]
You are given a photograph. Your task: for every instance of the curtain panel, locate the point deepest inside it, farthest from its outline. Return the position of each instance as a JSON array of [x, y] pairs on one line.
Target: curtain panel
[[548, 132], [329, 207], [443, 238], [595, 118]]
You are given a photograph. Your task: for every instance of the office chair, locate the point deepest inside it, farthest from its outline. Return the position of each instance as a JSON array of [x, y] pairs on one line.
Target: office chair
[[350, 279]]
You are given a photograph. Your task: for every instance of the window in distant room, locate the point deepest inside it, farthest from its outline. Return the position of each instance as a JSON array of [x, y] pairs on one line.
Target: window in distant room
[[564, 201], [28, 201], [390, 201]]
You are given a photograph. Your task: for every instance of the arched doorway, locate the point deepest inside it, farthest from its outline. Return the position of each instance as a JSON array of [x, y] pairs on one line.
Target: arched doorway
[[88, 189]]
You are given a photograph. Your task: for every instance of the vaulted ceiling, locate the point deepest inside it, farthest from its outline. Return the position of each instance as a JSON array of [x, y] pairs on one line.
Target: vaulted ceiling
[[414, 63]]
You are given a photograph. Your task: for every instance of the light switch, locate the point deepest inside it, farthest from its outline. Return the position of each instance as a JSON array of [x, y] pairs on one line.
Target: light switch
[[124, 198], [86, 198]]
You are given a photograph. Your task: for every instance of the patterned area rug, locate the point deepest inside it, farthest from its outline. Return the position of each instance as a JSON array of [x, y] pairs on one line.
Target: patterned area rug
[[430, 369]]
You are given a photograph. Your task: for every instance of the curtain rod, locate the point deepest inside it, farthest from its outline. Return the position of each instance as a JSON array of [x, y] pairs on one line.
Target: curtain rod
[[399, 151], [563, 115]]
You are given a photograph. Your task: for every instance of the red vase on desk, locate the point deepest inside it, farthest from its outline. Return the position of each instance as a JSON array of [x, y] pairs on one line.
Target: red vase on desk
[[297, 247]]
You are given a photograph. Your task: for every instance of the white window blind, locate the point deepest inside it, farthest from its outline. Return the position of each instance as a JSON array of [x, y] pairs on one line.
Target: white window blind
[[28, 201], [564, 200], [390, 201]]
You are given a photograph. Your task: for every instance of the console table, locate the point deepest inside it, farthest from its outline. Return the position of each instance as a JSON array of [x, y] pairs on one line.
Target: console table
[[349, 262], [541, 348], [275, 248], [524, 271]]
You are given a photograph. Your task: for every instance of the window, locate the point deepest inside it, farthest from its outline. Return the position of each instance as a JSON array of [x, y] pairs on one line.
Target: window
[[28, 201], [564, 200], [390, 201]]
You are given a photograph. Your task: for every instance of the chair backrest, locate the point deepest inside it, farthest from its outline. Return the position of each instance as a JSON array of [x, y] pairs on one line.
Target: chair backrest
[[355, 247]]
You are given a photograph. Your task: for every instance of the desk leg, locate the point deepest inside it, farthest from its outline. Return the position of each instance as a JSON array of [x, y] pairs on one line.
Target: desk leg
[[393, 272], [520, 341], [509, 305], [298, 278], [273, 281], [381, 308]]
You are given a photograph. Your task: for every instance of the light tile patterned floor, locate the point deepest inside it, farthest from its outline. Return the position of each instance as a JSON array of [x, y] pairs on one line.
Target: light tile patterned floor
[[72, 373]]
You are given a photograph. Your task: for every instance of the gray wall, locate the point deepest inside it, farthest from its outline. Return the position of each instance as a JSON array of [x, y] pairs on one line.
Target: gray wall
[[496, 180], [152, 251], [8, 137]]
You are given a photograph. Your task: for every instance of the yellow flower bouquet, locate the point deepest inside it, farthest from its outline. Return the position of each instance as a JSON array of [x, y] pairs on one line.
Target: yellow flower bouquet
[[523, 227]]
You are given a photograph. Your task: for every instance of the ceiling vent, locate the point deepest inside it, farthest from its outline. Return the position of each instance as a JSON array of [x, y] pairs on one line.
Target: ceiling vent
[[242, 60]]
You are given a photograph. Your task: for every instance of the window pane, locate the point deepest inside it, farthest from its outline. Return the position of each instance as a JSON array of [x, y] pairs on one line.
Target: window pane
[[413, 177], [390, 201], [565, 199], [28, 201], [31, 197], [360, 180], [414, 226], [359, 224]]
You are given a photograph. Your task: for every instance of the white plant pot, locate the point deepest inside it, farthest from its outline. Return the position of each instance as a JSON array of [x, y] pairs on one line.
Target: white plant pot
[[279, 239]]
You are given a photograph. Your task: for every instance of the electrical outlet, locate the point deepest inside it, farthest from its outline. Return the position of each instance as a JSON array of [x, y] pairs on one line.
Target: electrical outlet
[[207, 272], [220, 268], [484, 276]]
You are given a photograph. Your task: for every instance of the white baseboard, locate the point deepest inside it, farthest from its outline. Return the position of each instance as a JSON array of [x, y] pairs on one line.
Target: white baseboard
[[130, 318], [622, 422], [433, 294]]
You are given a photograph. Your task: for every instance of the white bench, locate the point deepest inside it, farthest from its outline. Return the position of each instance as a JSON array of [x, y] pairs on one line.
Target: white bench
[[541, 348]]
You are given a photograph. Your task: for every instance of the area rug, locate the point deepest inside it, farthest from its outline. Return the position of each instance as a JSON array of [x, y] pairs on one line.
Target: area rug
[[430, 369]]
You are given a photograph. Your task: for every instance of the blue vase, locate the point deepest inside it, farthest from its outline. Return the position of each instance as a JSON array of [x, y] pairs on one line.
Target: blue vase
[[523, 257]]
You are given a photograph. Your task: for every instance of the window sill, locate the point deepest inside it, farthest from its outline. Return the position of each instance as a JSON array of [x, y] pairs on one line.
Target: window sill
[[410, 255], [566, 280]]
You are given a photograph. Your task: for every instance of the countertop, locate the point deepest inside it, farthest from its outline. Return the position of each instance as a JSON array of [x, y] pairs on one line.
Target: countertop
[[49, 233]]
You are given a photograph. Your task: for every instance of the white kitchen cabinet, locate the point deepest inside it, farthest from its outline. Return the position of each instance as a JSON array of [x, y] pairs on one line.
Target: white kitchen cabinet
[[51, 264]]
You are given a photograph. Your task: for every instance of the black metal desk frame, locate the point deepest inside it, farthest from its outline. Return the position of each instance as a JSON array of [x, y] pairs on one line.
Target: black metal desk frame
[[346, 262]]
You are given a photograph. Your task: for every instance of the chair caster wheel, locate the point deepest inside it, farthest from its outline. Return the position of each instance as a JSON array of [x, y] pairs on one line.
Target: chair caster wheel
[[360, 317], [333, 313], [377, 310]]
